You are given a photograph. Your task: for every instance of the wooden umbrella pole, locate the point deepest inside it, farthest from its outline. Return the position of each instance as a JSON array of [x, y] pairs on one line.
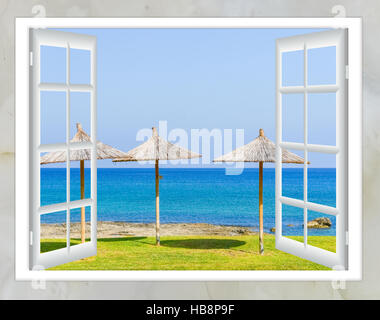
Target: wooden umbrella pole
[[83, 215], [157, 206], [261, 215]]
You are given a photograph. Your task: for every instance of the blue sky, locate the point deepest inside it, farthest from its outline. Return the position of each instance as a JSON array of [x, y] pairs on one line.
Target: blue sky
[[193, 79]]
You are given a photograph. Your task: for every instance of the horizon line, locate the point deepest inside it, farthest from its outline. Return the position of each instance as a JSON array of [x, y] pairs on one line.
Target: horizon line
[[139, 168]]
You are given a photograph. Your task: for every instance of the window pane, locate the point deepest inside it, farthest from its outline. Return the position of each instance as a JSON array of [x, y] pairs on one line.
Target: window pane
[[53, 64], [321, 230], [292, 222], [292, 178], [75, 175], [80, 66], [321, 65], [293, 118], [293, 68], [322, 118], [52, 178], [76, 225], [321, 178], [53, 231], [52, 117], [80, 112]]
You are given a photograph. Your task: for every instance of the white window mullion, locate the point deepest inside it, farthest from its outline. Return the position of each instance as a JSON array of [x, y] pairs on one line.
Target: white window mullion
[[65, 86], [80, 145], [305, 132], [322, 88], [278, 172], [322, 208], [68, 146], [63, 146], [93, 148], [309, 147], [311, 89], [309, 205], [64, 206], [51, 208]]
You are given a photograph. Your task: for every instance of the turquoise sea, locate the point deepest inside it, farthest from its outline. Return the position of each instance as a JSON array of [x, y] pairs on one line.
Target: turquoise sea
[[194, 196]]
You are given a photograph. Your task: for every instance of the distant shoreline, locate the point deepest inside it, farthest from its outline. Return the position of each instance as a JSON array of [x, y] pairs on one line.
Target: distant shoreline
[[163, 166], [109, 229]]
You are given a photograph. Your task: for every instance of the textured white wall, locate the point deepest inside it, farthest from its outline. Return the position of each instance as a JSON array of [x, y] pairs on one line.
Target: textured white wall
[[368, 288]]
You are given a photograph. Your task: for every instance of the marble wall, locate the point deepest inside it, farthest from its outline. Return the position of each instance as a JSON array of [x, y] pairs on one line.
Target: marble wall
[[368, 288]]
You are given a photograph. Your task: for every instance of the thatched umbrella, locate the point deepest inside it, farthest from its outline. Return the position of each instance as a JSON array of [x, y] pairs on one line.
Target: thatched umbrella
[[104, 151], [157, 149], [259, 150]]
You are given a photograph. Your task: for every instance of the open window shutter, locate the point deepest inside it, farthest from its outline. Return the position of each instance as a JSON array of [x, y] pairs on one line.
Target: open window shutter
[[63, 250], [304, 249]]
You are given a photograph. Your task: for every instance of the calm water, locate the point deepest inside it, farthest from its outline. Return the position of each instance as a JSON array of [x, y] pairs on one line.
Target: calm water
[[193, 195]]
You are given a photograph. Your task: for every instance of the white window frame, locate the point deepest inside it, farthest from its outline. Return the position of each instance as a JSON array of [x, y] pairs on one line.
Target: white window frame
[[44, 37], [304, 42], [354, 27]]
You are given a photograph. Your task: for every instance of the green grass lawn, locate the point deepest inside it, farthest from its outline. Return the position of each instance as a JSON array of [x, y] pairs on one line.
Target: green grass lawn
[[190, 253]]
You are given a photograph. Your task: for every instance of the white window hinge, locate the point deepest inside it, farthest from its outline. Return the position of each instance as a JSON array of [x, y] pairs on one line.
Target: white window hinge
[[347, 72], [347, 238], [31, 238], [31, 58]]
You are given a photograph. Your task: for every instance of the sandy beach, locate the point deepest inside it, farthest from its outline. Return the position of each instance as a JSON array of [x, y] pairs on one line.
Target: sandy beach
[[122, 229]]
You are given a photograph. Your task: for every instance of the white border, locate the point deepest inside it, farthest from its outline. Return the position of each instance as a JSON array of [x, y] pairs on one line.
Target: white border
[[354, 26]]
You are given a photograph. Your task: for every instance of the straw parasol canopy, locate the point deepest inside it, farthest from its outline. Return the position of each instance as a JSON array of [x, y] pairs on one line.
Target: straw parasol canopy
[[260, 150], [157, 148], [104, 151]]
